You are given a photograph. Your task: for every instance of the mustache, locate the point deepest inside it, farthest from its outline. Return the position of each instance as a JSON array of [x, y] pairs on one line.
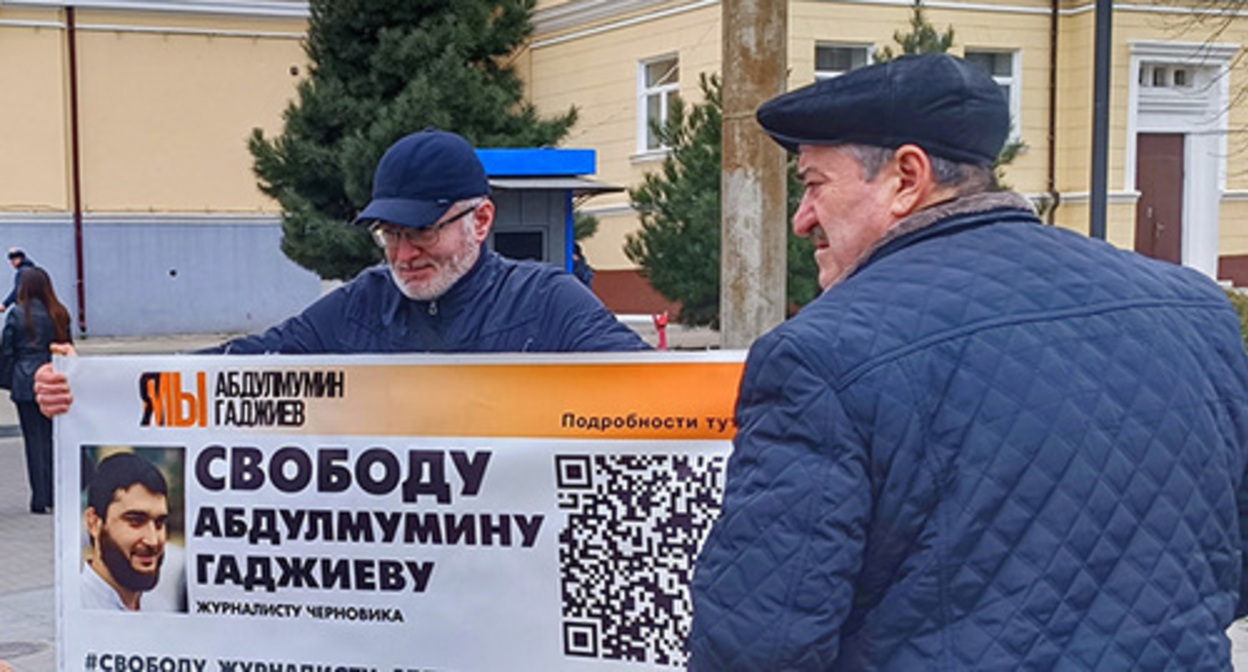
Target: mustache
[[147, 551], [414, 265]]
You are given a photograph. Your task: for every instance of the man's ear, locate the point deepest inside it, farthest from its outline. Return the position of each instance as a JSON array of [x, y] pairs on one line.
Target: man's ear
[[93, 522], [483, 221], [915, 185]]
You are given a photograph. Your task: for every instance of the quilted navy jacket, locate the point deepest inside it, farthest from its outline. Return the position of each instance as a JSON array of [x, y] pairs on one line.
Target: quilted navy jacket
[[500, 305], [996, 446]]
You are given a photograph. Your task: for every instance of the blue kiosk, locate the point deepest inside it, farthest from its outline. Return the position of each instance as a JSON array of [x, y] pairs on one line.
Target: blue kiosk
[[536, 192]]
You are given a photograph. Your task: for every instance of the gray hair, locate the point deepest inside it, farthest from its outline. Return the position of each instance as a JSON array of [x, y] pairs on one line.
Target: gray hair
[[965, 178], [474, 203]]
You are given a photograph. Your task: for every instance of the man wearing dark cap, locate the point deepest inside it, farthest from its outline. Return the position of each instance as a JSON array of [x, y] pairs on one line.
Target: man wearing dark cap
[[19, 262], [990, 444], [441, 289]]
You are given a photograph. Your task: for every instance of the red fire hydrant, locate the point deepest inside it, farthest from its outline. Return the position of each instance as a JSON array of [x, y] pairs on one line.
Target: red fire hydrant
[[660, 325]]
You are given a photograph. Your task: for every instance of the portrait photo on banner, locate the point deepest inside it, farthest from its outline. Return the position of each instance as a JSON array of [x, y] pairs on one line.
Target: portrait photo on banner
[[133, 528]]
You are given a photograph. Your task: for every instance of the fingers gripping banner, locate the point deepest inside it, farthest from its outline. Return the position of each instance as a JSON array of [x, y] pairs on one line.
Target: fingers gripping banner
[[311, 514]]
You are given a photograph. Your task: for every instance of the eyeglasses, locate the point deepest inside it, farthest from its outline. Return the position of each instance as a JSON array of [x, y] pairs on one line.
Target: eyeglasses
[[388, 235]]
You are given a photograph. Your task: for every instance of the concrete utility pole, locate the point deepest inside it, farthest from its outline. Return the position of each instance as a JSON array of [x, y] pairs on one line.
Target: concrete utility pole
[[753, 231]]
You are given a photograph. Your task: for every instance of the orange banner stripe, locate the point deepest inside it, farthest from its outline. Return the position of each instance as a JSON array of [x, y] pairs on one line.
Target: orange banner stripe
[[660, 400]]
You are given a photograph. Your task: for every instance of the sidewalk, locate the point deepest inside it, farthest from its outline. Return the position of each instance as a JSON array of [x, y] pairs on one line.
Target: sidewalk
[[27, 595]]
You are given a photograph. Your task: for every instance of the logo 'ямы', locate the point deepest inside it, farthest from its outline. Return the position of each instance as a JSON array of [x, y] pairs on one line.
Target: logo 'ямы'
[[166, 404]]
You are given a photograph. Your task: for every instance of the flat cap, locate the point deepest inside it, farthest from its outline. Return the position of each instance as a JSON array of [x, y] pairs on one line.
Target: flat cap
[[950, 108]]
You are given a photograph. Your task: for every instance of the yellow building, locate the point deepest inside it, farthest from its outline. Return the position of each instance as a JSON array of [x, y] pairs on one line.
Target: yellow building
[[125, 170], [1177, 182]]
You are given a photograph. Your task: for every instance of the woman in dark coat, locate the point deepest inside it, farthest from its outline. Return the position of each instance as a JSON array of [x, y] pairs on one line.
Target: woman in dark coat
[[32, 324]]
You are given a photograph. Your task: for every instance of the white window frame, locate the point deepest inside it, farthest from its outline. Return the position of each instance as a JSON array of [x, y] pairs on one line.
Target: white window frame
[[868, 49], [1014, 80], [665, 93]]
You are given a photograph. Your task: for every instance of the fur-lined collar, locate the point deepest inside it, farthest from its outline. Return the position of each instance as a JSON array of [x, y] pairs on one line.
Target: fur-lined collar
[[965, 205]]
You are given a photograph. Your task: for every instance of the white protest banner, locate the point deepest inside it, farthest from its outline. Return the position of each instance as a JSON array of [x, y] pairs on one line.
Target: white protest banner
[[397, 513]]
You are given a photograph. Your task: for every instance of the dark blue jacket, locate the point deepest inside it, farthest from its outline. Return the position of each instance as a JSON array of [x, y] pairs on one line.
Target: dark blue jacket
[[500, 305], [17, 281], [996, 446]]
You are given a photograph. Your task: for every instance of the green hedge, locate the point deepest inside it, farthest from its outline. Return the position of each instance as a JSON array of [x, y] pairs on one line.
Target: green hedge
[[1240, 301]]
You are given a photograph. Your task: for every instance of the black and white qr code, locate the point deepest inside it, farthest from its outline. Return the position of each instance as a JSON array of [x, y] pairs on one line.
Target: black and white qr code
[[626, 552]]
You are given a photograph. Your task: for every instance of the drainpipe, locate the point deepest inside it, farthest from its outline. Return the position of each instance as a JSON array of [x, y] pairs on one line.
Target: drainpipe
[[1100, 118], [1055, 198], [71, 37]]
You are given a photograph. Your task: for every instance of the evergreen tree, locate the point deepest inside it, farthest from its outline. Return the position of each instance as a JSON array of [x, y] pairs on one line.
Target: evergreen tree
[[381, 69], [678, 245], [923, 38], [584, 225]]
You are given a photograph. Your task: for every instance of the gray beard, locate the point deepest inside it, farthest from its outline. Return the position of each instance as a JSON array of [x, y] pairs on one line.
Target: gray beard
[[460, 263]]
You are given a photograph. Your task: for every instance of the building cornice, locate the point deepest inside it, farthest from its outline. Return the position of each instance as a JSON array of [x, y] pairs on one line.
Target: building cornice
[[1188, 52], [583, 18], [10, 217], [579, 13], [156, 30], [293, 9], [1161, 9], [622, 23], [1116, 197]]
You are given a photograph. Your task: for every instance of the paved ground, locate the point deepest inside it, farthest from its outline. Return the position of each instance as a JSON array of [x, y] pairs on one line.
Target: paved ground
[[27, 594], [27, 598]]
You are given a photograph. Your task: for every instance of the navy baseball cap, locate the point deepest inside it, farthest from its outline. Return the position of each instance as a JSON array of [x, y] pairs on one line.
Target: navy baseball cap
[[950, 108], [421, 176]]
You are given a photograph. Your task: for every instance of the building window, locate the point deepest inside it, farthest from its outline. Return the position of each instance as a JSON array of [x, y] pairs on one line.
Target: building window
[[520, 244], [1003, 66], [832, 60], [659, 89], [1162, 76]]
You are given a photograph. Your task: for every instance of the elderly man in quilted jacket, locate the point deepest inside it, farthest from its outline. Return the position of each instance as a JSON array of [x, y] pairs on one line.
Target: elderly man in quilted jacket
[[990, 444]]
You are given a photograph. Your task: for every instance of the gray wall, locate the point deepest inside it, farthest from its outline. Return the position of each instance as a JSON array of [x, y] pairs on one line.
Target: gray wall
[[534, 210], [168, 276]]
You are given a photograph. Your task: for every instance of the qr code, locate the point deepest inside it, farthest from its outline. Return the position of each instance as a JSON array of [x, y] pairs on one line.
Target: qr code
[[634, 527]]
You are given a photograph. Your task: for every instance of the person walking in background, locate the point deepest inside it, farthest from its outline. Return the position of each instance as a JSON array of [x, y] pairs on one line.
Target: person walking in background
[[19, 261], [990, 444], [37, 320], [580, 266]]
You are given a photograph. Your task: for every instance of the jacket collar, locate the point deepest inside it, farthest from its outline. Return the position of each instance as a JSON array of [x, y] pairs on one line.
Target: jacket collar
[[957, 213], [458, 294]]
